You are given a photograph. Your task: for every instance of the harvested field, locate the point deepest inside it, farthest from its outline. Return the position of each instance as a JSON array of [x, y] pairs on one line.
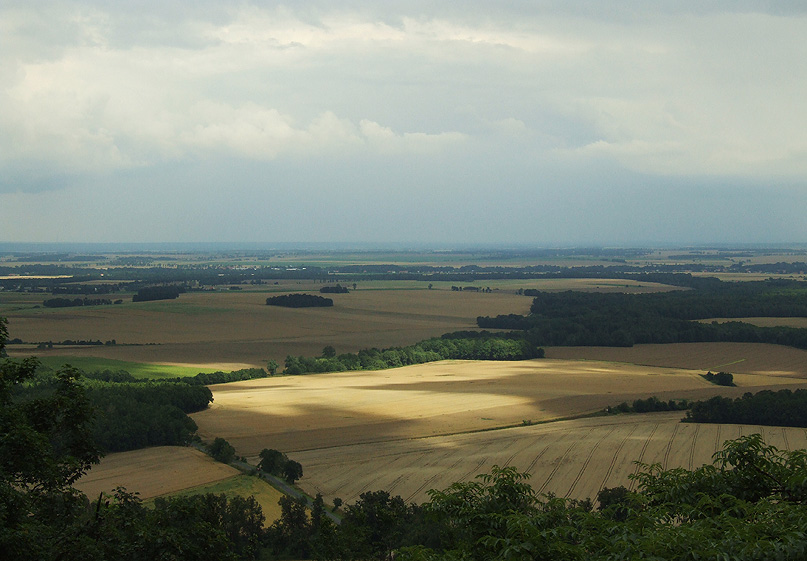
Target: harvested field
[[237, 327], [738, 358], [154, 471], [574, 458], [295, 413]]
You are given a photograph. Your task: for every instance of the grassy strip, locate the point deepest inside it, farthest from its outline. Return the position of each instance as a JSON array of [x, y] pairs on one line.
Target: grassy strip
[[241, 486], [140, 370]]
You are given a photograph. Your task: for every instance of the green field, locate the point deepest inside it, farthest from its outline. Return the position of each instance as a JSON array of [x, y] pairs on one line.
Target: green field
[[137, 369], [241, 486]]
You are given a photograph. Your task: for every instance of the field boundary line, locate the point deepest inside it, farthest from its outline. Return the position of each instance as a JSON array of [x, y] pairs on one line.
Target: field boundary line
[[692, 447], [560, 460], [615, 456], [642, 453], [588, 459], [669, 447]]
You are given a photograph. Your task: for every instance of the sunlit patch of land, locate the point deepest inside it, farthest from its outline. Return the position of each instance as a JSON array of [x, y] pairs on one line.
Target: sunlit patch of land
[[152, 472], [297, 413], [574, 458], [242, 486]]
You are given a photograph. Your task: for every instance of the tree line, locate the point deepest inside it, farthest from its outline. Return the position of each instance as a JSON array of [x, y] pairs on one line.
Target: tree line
[[622, 320], [485, 346], [149, 293], [299, 300], [783, 408], [68, 303]]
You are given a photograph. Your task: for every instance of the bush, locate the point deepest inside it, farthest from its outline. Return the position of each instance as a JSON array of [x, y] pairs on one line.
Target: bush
[[222, 451]]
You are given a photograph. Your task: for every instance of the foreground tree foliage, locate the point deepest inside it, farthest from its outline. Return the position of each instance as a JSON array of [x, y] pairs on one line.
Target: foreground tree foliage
[[751, 504], [47, 444]]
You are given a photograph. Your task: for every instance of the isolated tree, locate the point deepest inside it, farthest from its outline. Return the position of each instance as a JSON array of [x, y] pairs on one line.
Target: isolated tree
[[222, 451], [272, 367], [272, 461], [292, 471]]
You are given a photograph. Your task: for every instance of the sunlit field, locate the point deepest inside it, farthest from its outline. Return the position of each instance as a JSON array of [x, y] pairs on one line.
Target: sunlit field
[[574, 458]]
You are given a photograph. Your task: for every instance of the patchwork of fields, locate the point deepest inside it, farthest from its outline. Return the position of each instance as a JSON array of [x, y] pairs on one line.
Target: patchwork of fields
[[411, 429], [238, 328]]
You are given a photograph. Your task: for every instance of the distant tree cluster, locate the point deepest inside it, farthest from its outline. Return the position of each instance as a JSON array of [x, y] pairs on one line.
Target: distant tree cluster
[[622, 320], [73, 342], [431, 350], [278, 464], [106, 288], [782, 408], [650, 405], [149, 293], [470, 289], [338, 289], [68, 303], [208, 378], [720, 379], [299, 301]]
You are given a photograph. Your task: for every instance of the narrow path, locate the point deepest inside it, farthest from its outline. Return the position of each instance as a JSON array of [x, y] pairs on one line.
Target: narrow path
[[275, 482]]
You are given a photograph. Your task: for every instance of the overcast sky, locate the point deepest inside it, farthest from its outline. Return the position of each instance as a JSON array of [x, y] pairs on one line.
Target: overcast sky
[[554, 122]]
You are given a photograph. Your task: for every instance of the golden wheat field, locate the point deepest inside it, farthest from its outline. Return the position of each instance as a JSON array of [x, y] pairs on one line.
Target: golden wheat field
[[296, 413], [154, 471], [574, 458]]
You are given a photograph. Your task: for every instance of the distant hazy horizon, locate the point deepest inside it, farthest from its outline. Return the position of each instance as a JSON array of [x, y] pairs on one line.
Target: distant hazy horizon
[[547, 123]]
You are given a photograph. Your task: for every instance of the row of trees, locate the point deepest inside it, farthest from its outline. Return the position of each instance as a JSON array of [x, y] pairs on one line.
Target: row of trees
[[443, 348], [299, 300], [148, 293], [578, 318], [338, 289], [69, 303], [276, 463], [782, 408]]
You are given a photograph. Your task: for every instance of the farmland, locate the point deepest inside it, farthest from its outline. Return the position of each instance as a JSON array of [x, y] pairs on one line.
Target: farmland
[[154, 471], [403, 426], [745, 358], [574, 458], [410, 429], [237, 329]]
